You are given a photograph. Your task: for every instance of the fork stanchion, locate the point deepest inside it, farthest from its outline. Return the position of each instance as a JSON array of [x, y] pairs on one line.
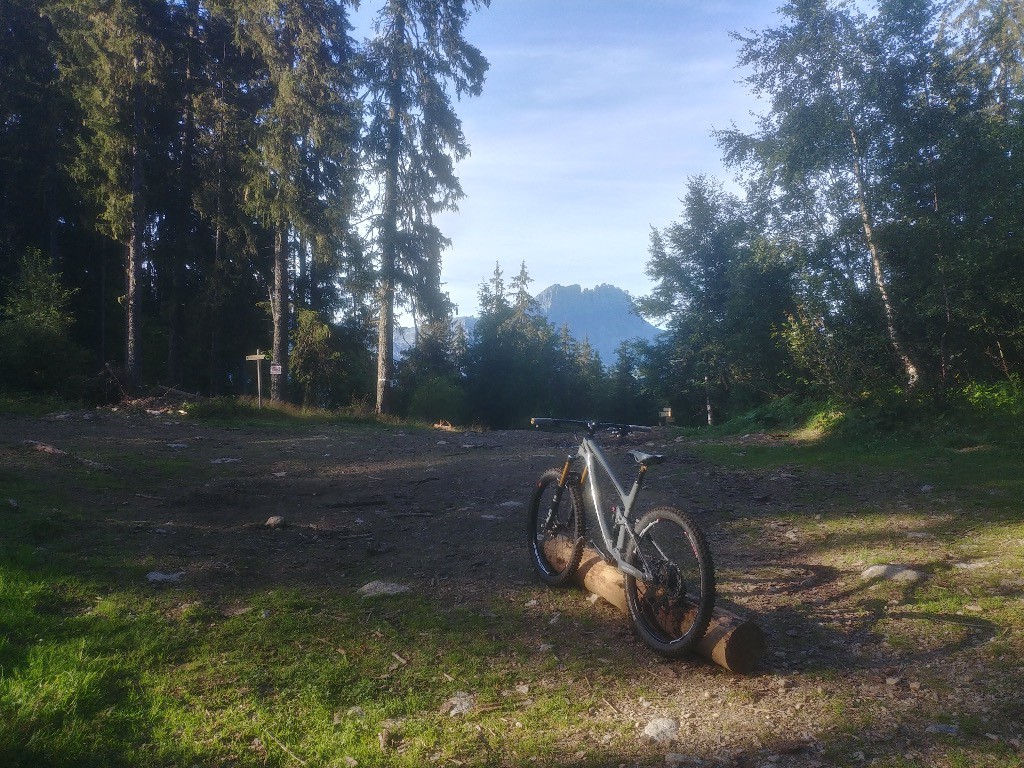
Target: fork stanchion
[[732, 641]]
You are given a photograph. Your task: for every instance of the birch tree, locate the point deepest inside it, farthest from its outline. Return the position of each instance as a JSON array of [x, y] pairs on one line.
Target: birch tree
[[827, 136]]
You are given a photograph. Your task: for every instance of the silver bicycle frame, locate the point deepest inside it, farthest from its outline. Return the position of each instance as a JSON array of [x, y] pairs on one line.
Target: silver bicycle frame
[[590, 452]]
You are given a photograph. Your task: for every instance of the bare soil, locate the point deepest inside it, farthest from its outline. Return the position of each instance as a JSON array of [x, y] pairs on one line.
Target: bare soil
[[443, 512]]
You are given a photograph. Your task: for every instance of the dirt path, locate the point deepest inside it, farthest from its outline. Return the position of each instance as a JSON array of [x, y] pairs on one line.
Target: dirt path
[[443, 511]]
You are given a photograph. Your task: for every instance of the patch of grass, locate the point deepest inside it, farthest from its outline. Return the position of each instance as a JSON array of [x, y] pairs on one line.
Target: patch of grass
[[938, 490], [971, 459], [244, 411], [15, 404], [138, 678], [97, 668]]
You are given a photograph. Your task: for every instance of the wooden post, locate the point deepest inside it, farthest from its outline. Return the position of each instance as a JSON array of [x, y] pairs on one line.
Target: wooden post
[[731, 641], [258, 357]]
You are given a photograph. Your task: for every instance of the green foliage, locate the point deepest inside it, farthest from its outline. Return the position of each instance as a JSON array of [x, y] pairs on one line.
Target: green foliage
[[417, 61], [34, 317], [787, 412], [438, 398], [1003, 398], [313, 362], [724, 293], [518, 366], [229, 143]]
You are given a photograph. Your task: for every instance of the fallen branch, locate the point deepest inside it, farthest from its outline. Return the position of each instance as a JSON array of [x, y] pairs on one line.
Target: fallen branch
[[732, 641], [291, 754]]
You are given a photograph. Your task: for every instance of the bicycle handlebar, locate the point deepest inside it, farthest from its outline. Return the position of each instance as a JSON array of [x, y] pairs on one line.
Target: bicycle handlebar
[[591, 425]]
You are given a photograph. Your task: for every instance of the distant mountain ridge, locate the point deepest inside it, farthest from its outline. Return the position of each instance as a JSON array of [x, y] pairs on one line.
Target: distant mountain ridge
[[603, 316]]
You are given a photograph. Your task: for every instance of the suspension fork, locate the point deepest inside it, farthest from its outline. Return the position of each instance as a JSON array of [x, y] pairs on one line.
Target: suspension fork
[[556, 498]]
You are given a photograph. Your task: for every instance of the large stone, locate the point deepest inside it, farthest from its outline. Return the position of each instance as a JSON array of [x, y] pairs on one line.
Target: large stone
[[380, 588], [662, 731], [891, 572]]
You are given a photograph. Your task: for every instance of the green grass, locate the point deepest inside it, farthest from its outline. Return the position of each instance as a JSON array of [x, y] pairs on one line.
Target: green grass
[[14, 404], [93, 676], [246, 412], [98, 669], [974, 446], [939, 491]]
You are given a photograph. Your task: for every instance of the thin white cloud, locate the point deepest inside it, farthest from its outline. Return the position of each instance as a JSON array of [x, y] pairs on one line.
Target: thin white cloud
[[593, 116]]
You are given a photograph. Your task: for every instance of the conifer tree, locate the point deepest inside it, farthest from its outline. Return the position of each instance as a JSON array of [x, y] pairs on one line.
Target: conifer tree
[[416, 63], [112, 58], [300, 168]]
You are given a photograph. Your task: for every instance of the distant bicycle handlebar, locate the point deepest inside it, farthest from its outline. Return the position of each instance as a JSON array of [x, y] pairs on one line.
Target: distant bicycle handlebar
[[590, 425]]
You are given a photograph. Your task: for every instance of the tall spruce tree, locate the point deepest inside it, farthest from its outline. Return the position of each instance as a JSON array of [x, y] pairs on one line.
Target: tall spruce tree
[[112, 57], [34, 116], [415, 64], [301, 170]]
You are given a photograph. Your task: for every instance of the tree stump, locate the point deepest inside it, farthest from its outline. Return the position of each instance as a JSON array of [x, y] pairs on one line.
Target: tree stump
[[732, 641]]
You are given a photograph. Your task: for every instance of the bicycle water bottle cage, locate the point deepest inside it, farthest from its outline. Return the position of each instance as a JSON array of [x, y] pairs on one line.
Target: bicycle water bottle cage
[[650, 459]]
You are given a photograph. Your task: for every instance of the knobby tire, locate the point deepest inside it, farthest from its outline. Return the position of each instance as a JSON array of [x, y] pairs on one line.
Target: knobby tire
[[566, 522], [672, 611]]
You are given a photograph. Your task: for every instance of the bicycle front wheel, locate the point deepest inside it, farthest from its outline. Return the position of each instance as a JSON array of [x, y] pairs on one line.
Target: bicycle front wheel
[[671, 607], [554, 527]]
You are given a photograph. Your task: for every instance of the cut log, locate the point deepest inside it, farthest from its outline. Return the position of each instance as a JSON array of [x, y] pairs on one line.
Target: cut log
[[732, 641]]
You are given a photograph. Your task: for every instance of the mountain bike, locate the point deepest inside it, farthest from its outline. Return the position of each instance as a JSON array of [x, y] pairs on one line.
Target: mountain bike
[[663, 555]]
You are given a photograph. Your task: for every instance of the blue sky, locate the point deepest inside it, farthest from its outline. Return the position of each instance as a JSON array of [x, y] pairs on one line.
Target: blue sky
[[593, 116]]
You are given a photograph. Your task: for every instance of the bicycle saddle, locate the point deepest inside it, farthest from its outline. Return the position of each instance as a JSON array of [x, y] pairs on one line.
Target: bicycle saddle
[[647, 458]]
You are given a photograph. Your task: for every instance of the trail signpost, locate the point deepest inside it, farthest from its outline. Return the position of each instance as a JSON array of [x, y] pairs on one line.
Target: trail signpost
[[259, 357]]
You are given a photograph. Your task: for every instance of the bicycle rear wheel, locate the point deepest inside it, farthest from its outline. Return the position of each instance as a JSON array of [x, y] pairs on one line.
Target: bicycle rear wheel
[[555, 517], [672, 607]]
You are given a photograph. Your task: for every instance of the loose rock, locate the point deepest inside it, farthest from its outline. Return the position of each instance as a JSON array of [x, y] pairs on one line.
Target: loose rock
[[276, 522], [379, 588], [662, 730], [461, 703], [891, 572]]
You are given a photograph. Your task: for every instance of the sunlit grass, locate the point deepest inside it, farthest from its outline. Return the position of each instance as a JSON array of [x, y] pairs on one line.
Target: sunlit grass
[[97, 669], [133, 678]]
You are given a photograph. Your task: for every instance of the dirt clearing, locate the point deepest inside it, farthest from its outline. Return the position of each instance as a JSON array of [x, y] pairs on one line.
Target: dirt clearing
[[857, 671]]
